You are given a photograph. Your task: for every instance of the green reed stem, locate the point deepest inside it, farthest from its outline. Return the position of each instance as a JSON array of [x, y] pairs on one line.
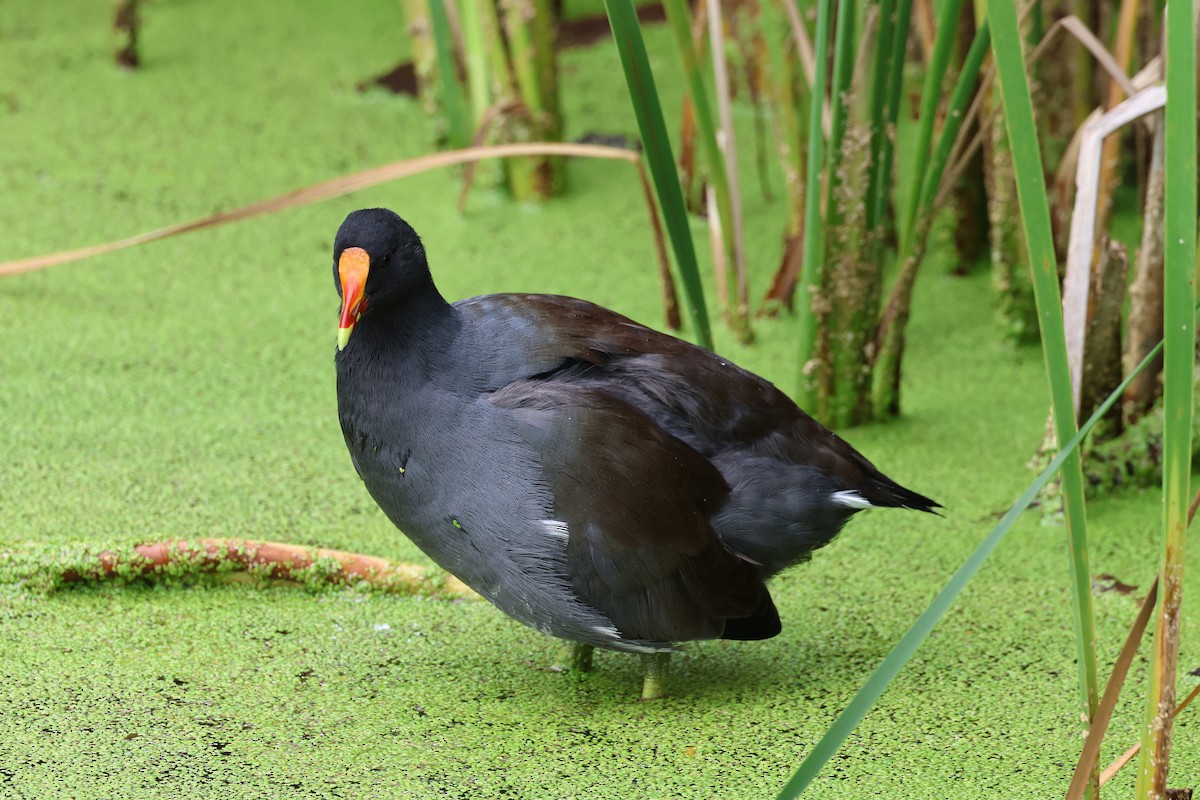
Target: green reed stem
[[1035, 220], [660, 159], [454, 102], [1179, 288], [814, 231], [891, 665]]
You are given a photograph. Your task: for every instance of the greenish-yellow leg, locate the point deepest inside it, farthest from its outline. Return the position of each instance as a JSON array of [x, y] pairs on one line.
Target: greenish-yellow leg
[[656, 666], [580, 660]]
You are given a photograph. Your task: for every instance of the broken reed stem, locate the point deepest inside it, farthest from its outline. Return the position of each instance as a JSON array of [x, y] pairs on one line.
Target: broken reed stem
[[274, 560], [1115, 767], [335, 187], [1146, 290], [1091, 748], [1088, 757]]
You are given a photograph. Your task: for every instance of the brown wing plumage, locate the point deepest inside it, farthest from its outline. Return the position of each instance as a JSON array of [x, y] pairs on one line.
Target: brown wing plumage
[[706, 401], [641, 551]]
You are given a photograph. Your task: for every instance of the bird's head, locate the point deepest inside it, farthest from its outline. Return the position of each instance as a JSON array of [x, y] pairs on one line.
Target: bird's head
[[377, 257]]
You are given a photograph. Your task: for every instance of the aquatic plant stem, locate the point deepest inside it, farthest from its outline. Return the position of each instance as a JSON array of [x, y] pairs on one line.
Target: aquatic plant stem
[[1035, 220], [738, 310], [879, 103], [1089, 756], [930, 96], [895, 88], [642, 93], [453, 101], [814, 230], [918, 211], [895, 660], [1120, 761], [721, 172], [475, 58], [1091, 748], [1179, 282]]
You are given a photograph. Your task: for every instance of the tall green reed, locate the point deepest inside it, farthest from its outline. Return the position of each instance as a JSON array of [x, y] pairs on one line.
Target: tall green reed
[[453, 102], [890, 667], [814, 227], [1035, 219], [648, 110], [731, 258], [1179, 233], [922, 188]]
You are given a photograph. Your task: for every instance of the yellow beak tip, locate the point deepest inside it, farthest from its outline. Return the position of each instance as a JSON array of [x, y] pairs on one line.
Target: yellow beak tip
[[344, 336]]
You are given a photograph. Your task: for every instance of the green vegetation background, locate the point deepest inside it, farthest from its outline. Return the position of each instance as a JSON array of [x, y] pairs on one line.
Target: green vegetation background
[[185, 388]]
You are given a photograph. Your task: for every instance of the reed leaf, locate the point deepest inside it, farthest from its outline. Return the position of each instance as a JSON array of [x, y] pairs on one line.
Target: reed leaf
[[956, 114], [807, 58], [644, 96], [918, 211], [1179, 275], [475, 58], [738, 309], [679, 19], [454, 102], [895, 87], [786, 112], [931, 95], [1039, 242], [814, 230], [878, 105], [891, 665]]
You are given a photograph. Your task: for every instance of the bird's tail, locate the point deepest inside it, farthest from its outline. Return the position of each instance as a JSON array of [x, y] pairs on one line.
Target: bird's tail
[[885, 492]]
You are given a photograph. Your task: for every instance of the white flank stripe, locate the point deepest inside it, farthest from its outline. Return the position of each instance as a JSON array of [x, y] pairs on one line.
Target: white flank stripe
[[556, 528], [851, 499], [607, 630]]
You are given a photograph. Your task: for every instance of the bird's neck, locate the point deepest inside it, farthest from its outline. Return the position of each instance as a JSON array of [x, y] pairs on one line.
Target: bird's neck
[[394, 333], [415, 314]]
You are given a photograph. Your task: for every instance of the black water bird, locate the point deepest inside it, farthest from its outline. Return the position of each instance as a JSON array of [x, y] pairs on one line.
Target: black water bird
[[594, 479]]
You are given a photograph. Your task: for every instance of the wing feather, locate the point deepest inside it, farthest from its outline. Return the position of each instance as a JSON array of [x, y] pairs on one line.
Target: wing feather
[[637, 502]]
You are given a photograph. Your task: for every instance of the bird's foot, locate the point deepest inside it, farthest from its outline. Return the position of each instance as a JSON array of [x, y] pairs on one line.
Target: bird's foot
[[656, 667]]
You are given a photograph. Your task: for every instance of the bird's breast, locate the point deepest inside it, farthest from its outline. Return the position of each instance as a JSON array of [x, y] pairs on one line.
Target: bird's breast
[[454, 476]]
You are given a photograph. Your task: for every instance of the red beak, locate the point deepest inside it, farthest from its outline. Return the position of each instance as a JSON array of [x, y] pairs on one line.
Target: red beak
[[353, 265]]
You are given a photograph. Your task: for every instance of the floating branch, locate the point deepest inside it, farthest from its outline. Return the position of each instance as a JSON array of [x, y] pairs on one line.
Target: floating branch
[[275, 560], [335, 187]]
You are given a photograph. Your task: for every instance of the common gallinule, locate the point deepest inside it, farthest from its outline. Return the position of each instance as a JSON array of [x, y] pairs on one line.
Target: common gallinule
[[594, 479]]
